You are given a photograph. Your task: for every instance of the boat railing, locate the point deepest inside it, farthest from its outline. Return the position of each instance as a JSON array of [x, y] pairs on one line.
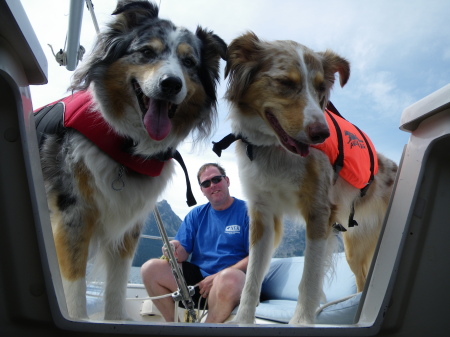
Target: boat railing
[[154, 237]]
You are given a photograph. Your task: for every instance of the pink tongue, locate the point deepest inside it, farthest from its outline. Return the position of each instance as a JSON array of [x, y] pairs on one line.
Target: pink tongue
[[156, 119], [301, 149]]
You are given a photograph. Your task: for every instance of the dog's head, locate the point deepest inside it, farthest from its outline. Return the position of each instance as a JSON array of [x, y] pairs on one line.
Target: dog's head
[[279, 91], [153, 81]]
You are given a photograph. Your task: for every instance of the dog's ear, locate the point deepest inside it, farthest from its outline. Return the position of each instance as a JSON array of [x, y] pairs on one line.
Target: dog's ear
[[211, 43], [213, 48], [134, 12], [241, 51], [333, 63], [243, 58]]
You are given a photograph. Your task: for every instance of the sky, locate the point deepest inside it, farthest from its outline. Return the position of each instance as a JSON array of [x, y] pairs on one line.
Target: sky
[[399, 52]]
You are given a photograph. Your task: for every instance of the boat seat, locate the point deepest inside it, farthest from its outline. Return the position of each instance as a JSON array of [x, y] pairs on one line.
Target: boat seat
[[279, 292]]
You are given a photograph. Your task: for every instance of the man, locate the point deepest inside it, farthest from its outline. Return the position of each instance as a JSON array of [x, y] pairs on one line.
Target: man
[[216, 236]]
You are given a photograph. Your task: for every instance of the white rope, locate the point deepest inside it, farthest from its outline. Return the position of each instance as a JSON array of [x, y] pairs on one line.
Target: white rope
[[201, 312], [60, 56], [204, 311], [136, 298], [90, 7], [154, 237], [334, 302]]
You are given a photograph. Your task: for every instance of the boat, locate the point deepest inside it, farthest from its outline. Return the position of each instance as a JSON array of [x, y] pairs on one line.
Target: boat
[[406, 292]]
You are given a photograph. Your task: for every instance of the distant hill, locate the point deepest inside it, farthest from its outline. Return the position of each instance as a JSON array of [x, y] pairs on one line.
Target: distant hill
[[149, 248], [294, 239]]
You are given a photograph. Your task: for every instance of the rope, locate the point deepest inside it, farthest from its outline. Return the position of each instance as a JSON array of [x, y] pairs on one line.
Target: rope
[[154, 237], [204, 311], [136, 299], [90, 7], [318, 311], [142, 298]]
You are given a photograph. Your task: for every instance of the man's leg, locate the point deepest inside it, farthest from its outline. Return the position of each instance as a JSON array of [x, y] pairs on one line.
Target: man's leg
[[225, 294], [158, 280]]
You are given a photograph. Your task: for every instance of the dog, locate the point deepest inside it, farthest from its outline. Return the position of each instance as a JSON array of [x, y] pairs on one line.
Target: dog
[[278, 94], [145, 87]]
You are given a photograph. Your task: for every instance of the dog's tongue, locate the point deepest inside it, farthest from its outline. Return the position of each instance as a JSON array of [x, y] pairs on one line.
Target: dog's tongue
[[298, 148], [156, 119]]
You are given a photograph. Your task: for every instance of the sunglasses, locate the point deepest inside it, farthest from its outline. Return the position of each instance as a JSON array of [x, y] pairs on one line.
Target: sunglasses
[[215, 180]]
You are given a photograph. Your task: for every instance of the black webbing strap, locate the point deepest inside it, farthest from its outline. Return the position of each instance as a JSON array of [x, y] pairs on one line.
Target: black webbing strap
[[372, 163], [339, 162], [190, 200], [352, 222], [224, 143], [229, 139], [332, 108]]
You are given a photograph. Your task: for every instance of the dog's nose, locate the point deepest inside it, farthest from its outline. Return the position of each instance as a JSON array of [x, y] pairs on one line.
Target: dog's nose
[[318, 132], [170, 85]]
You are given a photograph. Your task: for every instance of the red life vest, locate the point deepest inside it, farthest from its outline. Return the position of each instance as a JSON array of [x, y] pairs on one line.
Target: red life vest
[[76, 111], [79, 115], [350, 151]]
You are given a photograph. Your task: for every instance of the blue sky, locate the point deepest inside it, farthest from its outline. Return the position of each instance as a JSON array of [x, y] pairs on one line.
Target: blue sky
[[399, 52]]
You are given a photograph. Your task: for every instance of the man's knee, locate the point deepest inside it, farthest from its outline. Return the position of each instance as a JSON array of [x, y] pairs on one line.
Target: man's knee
[[232, 275], [151, 269], [230, 282]]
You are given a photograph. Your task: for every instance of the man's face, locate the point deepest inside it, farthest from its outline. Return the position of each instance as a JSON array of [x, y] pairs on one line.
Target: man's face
[[217, 194]]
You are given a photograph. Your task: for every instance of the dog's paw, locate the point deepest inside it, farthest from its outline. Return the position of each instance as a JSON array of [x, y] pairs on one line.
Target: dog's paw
[[242, 320], [117, 317], [301, 320]]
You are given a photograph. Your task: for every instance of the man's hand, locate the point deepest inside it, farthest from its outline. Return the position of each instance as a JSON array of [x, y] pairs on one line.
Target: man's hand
[[205, 285], [178, 251]]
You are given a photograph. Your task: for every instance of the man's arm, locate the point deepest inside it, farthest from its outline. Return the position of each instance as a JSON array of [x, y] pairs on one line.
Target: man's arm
[[241, 265]]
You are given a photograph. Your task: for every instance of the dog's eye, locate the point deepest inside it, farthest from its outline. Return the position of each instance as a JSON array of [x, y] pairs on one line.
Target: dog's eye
[[147, 52], [321, 88], [188, 62], [286, 82]]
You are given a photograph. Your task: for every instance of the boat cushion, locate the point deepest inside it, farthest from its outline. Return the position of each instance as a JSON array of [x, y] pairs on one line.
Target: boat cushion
[[279, 291]]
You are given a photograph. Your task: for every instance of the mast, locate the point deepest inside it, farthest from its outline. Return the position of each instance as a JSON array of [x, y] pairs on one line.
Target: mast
[[73, 33]]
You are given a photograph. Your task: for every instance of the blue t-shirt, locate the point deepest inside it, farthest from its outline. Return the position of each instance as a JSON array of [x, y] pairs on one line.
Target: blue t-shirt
[[215, 239]]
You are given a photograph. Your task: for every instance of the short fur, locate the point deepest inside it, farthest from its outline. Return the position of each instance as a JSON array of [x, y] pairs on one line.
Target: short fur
[[278, 92], [140, 65]]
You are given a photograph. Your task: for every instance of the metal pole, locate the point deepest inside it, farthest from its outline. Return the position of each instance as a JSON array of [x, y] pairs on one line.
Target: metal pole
[[74, 32], [184, 292]]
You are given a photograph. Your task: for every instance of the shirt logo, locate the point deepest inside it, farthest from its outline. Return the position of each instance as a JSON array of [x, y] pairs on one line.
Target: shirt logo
[[233, 229]]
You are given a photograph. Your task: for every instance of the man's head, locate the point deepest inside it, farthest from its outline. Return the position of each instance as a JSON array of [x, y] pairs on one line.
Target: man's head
[[214, 185]]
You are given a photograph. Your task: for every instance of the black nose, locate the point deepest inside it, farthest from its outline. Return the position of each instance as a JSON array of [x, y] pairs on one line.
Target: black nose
[[318, 133], [170, 85]]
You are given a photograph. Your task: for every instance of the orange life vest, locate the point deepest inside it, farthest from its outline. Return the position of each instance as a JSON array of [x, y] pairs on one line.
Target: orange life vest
[[350, 151]]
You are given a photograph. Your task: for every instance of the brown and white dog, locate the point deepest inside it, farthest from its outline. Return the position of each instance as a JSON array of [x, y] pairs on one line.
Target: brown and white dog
[[145, 87], [278, 92]]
